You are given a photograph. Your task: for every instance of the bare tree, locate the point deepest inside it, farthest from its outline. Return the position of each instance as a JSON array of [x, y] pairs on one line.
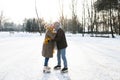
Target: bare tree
[[61, 13], [39, 21], [119, 15], [1, 19], [74, 16], [83, 18]]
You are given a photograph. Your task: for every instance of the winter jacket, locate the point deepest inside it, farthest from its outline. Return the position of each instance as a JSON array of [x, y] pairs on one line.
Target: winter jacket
[[60, 39], [48, 45]]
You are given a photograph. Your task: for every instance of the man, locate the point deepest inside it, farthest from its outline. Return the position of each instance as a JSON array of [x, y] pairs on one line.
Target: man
[[61, 48]]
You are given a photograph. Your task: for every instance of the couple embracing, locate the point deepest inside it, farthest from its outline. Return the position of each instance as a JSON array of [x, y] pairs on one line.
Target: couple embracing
[[55, 35]]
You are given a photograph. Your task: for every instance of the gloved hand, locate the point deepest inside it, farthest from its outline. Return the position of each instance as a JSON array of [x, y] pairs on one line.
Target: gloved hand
[[47, 40]]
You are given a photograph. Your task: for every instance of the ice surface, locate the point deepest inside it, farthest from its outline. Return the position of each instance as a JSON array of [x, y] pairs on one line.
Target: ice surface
[[89, 58]]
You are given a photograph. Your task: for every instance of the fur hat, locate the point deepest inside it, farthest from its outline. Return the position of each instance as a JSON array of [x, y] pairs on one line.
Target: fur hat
[[48, 26]]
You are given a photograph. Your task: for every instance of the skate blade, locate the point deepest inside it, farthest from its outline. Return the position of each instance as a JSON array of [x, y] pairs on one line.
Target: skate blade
[[57, 68], [64, 71], [44, 71]]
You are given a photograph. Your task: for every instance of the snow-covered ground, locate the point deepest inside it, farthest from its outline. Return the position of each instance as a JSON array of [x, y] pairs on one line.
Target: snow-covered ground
[[89, 58]]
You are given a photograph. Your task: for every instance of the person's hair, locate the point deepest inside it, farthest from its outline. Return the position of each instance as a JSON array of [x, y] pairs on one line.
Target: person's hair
[[46, 26], [57, 24]]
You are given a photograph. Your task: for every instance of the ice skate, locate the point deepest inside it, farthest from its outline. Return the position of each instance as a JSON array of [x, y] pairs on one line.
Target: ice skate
[[64, 70], [57, 67], [46, 69]]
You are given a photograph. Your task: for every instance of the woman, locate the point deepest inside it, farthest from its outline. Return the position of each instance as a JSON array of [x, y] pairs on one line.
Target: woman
[[48, 46]]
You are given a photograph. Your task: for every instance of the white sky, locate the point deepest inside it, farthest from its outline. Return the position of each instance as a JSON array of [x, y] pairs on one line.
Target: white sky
[[18, 10]]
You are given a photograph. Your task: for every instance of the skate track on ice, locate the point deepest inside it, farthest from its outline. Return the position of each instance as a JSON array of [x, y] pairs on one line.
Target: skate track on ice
[[89, 58]]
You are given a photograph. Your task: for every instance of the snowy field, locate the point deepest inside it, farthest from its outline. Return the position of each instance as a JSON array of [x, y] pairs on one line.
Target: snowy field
[[89, 58]]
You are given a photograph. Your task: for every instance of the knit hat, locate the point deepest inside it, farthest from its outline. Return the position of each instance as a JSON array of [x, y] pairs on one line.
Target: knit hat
[[56, 25]]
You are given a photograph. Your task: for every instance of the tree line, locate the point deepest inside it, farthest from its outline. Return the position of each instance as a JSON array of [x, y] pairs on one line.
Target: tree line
[[98, 17], [103, 17]]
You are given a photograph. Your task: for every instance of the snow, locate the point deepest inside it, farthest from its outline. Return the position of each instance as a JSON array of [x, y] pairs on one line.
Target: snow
[[89, 58]]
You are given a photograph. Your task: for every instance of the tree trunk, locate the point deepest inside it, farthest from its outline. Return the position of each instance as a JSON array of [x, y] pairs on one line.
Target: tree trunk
[[83, 19], [38, 19], [91, 19], [119, 18], [111, 21]]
